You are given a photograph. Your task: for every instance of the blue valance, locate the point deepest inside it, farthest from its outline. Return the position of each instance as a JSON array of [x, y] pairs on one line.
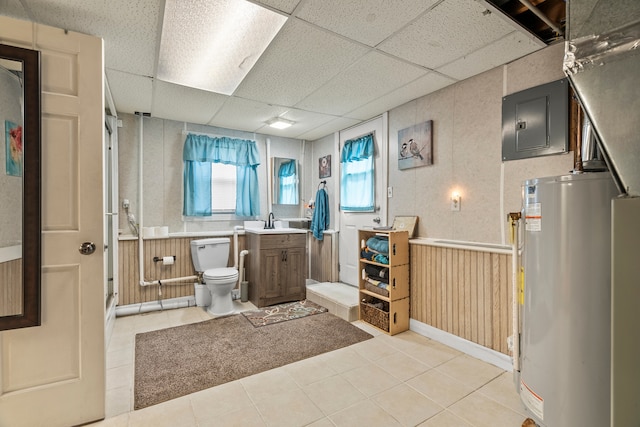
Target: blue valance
[[203, 148], [357, 149], [287, 168]]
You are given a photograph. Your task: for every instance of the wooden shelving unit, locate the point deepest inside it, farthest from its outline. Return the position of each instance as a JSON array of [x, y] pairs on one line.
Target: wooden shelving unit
[[386, 309]]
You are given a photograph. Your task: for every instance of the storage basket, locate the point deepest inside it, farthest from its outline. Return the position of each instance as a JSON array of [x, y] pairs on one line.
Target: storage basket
[[380, 291], [373, 315]]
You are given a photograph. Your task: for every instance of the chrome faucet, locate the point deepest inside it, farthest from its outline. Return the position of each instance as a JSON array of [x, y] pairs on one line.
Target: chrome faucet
[[271, 221]]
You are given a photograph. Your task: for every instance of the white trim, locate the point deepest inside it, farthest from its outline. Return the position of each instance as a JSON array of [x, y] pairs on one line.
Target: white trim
[[488, 355], [10, 253], [461, 244]]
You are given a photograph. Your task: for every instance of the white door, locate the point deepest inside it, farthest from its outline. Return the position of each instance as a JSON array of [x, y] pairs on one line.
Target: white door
[[351, 222], [54, 374]]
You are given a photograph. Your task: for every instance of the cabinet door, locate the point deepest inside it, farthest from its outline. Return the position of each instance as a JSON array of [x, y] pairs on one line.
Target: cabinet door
[[271, 272], [293, 272]]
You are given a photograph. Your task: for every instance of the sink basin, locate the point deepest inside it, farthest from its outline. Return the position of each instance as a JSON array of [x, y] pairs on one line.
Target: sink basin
[[285, 230]]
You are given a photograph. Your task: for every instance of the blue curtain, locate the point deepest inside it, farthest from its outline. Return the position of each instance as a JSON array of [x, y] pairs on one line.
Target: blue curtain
[[199, 152], [287, 177], [356, 175]]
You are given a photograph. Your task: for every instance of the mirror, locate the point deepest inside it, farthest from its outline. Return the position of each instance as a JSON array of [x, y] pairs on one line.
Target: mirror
[[19, 187], [285, 181]]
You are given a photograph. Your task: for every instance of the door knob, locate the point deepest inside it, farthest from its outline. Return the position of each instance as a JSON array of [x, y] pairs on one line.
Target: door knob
[[87, 248], [376, 220]]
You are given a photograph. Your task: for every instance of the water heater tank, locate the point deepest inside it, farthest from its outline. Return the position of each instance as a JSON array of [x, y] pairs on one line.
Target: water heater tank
[[565, 343]]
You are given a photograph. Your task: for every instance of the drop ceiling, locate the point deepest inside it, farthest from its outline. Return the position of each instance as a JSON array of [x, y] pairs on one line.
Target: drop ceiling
[[334, 63]]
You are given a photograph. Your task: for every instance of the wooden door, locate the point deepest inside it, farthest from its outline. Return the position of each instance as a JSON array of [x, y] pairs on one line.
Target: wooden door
[[54, 374], [294, 269], [270, 274]]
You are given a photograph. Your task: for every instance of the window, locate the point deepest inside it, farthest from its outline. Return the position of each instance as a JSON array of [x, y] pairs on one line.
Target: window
[[223, 188], [357, 175], [209, 167]]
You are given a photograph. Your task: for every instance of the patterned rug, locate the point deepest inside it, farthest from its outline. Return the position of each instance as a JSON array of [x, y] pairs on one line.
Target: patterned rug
[[282, 312]]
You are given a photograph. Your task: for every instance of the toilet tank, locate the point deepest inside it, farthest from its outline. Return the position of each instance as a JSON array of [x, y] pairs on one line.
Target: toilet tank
[[210, 253]]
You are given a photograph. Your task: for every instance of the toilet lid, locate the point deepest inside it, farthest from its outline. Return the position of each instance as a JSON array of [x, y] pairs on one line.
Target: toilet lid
[[220, 273]]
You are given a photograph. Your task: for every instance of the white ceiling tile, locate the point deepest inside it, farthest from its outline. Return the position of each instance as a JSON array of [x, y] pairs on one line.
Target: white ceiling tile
[[131, 93], [372, 76], [129, 28], [417, 88], [300, 59], [502, 51], [452, 29], [244, 114], [286, 6], [329, 128], [181, 103], [367, 21]]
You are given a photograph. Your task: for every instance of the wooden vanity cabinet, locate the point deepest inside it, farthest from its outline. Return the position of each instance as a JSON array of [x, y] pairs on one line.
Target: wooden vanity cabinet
[[276, 268]]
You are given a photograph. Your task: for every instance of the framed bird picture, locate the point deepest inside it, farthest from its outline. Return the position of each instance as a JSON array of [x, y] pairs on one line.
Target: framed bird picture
[[415, 146]]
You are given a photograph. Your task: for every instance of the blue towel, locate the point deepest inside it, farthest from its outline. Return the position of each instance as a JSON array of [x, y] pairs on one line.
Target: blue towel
[[320, 220]]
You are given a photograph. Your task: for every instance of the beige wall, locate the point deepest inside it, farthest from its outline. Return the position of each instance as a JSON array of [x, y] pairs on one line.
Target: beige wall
[[467, 145]]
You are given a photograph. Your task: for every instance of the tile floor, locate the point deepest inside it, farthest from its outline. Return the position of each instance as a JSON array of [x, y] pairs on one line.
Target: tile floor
[[404, 380]]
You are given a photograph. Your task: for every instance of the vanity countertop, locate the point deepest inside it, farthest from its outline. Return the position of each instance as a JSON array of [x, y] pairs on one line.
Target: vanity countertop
[[285, 230]]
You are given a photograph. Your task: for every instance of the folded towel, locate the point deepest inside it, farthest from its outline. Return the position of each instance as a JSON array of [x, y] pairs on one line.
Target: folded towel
[[378, 273], [379, 244]]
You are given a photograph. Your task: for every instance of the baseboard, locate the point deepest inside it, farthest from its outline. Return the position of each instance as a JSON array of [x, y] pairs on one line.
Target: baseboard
[[488, 355]]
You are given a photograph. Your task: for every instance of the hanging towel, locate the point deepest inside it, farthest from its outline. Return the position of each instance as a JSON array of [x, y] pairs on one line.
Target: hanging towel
[[320, 220]]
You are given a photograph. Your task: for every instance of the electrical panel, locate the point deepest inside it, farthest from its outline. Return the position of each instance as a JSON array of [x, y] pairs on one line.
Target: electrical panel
[[535, 121]]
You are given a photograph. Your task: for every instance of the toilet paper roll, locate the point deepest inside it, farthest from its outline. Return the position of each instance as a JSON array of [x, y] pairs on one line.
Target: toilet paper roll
[[167, 260]]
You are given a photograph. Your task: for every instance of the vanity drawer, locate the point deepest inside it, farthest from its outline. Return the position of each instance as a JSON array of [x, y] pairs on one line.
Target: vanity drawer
[[283, 241]]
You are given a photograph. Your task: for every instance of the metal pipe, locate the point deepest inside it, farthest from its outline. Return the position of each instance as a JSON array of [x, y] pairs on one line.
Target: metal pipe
[[542, 16], [140, 201], [145, 307], [165, 281], [514, 220]]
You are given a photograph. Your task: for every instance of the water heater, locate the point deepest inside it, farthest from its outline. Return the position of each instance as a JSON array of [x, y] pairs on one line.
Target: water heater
[[565, 343]]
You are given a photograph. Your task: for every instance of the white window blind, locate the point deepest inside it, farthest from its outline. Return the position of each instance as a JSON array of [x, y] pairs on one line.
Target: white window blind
[[223, 188]]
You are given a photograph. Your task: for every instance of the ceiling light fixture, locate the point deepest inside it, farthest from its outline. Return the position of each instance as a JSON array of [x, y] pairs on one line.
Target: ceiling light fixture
[[279, 123], [212, 45]]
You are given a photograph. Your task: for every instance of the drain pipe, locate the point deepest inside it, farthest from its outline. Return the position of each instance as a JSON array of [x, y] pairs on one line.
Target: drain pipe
[[140, 199], [243, 253]]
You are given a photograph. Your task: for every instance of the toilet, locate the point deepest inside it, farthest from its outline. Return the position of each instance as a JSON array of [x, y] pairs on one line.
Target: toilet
[[209, 256]]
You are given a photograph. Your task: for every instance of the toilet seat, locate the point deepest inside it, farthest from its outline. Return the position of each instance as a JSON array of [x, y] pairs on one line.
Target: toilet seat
[[220, 274]]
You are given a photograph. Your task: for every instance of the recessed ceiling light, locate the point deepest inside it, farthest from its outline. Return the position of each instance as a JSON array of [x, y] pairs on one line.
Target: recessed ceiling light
[[279, 123], [212, 45]]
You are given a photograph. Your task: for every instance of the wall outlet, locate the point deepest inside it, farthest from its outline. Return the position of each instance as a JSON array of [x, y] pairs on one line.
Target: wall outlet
[[125, 204], [389, 192]]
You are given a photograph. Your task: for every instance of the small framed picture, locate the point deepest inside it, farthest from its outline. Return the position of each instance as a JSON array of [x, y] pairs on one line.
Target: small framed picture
[[415, 146], [324, 166]]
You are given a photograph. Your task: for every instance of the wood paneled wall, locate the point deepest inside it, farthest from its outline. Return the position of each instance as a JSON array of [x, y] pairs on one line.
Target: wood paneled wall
[[464, 292], [11, 287], [130, 291], [323, 258]]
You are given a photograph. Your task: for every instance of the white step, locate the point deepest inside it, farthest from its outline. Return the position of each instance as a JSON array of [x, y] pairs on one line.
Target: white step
[[340, 299]]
